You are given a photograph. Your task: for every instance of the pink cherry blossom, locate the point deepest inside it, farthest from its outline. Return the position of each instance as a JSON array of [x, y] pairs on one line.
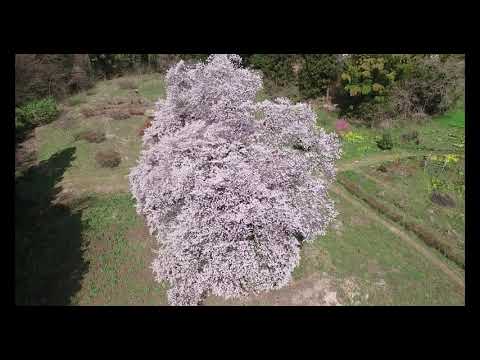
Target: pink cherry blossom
[[230, 187]]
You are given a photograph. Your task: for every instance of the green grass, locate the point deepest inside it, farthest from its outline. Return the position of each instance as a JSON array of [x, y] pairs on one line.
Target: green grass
[[93, 249], [453, 119], [366, 251], [119, 253], [411, 194], [153, 89], [443, 134], [85, 174], [326, 119]]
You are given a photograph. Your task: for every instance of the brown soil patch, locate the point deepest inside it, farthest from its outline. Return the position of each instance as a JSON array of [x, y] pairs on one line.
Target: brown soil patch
[[316, 290], [117, 109], [373, 267], [90, 136], [399, 167], [137, 111], [88, 112], [351, 291], [119, 115], [108, 158], [140, 234], [319, 289], [442, 199]]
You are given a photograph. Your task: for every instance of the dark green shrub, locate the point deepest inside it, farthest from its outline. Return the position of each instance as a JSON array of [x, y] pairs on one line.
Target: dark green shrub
[[386, 142], [275, 67], [37, 112], [411, 136], [317, 73]]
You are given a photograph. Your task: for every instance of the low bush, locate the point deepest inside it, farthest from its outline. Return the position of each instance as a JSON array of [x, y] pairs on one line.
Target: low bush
[[90, 136], [37, 112], [353, 137], [108, 158], [410, 136], [341, 125], [386, 142]]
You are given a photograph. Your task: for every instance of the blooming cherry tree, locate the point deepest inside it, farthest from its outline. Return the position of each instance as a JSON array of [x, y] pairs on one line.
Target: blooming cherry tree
[[230, 187]]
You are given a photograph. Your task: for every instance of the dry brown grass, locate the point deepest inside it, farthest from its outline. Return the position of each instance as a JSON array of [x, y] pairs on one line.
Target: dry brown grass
[[108, 158], [119, 115], [87, 111], [136, 111], [90, 136], [127, 84]]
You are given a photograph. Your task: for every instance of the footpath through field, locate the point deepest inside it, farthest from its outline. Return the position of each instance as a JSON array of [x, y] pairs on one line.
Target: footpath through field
[[374, 159], [396, 229]]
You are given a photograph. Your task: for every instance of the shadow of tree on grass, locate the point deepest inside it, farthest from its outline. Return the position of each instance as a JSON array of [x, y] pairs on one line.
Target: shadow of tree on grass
[[49, 262]]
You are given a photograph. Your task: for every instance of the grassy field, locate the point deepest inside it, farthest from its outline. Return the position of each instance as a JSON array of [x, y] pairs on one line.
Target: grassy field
[[79, 240]]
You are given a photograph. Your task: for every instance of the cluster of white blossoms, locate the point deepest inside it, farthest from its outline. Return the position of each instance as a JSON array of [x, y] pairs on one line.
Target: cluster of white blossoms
[[230, 187]]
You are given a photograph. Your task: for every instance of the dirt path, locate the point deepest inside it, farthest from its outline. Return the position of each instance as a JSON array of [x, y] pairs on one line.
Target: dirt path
[[374, 159], [377, 181], [402, 235]]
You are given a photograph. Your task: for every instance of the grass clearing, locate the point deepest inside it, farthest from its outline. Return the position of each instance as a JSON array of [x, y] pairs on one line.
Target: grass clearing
[[153, 88], [119, 253], [81, 241]]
